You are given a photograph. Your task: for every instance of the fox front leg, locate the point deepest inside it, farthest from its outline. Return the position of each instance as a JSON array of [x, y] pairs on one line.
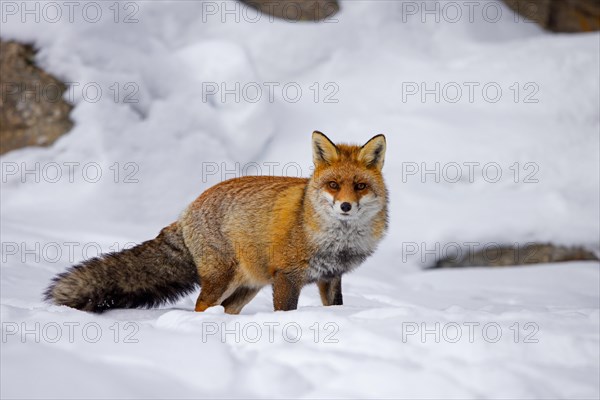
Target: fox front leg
[[331, 291], [286, 290]]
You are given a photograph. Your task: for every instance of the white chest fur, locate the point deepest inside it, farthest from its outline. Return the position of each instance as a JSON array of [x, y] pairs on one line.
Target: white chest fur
[[341, 247]]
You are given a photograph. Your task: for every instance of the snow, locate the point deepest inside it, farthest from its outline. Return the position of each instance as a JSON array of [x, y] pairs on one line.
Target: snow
[[178, 140]]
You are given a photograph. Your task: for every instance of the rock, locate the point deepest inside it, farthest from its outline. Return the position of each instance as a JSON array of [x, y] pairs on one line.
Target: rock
[[560, 15], [296, 10], [530, 253], [32, 109]]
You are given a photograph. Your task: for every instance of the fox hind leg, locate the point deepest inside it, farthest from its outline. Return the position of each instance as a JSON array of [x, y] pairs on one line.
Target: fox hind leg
[[217, 277], [242, 296], [212, 294]]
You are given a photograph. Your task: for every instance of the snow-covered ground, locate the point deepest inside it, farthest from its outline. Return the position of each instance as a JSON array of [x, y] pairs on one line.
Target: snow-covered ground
[[159, 135]]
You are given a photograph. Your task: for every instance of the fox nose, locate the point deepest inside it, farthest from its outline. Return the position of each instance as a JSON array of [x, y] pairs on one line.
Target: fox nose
[[346, 207]]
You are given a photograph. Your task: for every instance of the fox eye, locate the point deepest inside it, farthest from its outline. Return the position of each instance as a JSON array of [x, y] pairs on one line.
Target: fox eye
[[360, 186], [334, 185]]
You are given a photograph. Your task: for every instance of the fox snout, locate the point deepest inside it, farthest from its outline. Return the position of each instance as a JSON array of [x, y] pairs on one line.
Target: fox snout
[[352, 207], [345, 208]]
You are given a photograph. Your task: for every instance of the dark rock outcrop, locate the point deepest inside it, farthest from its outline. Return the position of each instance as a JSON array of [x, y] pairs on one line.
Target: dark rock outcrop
[[296, 10], [560, 15], [32, 109], [529, 253]]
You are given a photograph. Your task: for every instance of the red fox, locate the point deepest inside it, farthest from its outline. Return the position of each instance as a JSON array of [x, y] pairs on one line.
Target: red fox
[[246, 233]]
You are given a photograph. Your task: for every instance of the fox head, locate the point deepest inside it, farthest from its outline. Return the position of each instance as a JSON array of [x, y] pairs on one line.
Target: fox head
[[347, 180]]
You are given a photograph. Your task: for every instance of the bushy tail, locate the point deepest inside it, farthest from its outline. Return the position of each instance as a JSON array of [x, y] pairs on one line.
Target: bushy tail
[[150, 274]]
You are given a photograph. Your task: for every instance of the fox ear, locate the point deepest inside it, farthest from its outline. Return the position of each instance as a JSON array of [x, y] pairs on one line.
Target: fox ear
[[324, 151], [373, 152]]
